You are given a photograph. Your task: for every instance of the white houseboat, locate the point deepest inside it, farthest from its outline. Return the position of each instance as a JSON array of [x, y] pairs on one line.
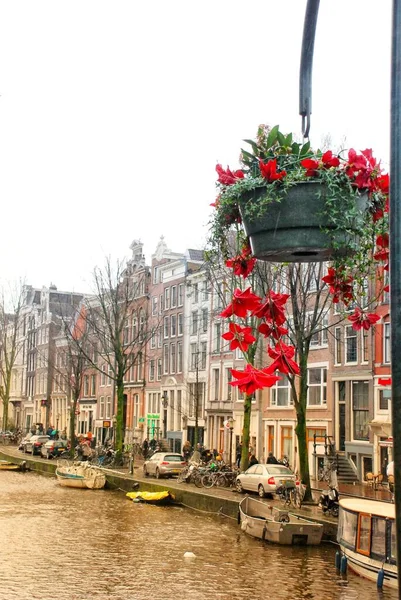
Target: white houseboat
[[366, 535]]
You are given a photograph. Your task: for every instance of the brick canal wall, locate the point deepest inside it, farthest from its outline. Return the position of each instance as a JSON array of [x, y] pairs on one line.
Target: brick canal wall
[[212, 501]]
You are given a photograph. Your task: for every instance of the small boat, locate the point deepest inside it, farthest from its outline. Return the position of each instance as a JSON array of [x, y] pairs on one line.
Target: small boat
[[5, 465], [152, 497], [367, 538], [81, 475], [271, 524]]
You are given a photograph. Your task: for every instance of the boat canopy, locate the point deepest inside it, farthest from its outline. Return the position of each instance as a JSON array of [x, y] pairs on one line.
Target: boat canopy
[[370, 507]]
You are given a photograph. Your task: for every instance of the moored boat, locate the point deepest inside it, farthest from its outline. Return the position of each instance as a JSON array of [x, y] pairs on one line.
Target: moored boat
[[165, 497], [6, 465], [265, 522], [81, 475], [367, 538]]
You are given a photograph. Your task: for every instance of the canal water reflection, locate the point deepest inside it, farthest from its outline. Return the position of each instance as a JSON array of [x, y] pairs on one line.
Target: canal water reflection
[[96, 545]]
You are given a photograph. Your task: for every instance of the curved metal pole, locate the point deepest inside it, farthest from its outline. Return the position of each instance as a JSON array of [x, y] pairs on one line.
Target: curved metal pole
[[395, 264], [305, 73]]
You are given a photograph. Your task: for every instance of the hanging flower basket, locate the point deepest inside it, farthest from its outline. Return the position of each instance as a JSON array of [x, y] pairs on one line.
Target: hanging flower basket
[[298, 228]]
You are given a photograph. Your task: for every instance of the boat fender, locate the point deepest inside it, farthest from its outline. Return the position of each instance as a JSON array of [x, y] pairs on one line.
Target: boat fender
[[189, 555], [238, 517], [380, 578], [284, 518], [264, 533], [338, 560], [343, 565]]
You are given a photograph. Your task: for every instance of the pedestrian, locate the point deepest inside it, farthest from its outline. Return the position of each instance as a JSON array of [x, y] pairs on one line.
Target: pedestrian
[[271, 459], [238, 452], [145, 447], [153, 444], [253, 461], [186, 450]]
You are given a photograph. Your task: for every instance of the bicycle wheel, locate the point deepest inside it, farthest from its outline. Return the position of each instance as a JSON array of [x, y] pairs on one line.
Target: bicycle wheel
[[197, 479], [220, 480], [207, 480]]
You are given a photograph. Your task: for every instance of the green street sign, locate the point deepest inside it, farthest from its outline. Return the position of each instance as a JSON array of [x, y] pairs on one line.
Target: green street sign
[[141, 420], [152, 416]]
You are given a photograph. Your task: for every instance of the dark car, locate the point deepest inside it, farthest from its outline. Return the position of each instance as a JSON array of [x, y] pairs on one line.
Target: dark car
[[35, 442], [53, 448]]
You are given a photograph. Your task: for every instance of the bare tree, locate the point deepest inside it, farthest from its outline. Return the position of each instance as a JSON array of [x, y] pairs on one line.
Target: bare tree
[[115, 322], [10, 323]]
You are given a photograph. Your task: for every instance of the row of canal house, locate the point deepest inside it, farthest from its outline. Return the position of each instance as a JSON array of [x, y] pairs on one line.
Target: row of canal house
[[181, 381]]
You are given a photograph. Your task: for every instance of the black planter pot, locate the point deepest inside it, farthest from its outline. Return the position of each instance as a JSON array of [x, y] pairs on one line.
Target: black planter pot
[[297, 229]]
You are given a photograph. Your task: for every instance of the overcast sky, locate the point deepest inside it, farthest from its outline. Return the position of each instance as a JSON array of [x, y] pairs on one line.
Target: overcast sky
[[114, 114]]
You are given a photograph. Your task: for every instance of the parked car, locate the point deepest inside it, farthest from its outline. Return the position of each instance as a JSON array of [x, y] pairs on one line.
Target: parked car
[[263, 479], [35, 442], [24, 441], [53, 448], [164, 464]]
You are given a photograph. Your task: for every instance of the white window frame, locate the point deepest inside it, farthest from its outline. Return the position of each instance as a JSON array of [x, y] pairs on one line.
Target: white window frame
[[278, 389], [322, 385], [348, 328], [386, 343]]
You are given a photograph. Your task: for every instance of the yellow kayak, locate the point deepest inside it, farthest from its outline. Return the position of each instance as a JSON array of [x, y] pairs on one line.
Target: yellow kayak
[[151, 497]]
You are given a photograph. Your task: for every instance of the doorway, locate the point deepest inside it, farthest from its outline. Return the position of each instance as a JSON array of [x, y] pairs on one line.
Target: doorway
[[341, 416]]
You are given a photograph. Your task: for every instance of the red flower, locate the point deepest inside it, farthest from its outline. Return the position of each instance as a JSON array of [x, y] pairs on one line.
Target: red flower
[[252, 379], [362, 320], [282, 355], [339, 285], [243, 264], [272, 308], [240, 337], [242, 302], [268, 329], [326, 162], [228, 177], [269, 170]]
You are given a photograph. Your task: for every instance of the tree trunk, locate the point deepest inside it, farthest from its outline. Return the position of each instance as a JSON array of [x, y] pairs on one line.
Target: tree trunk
[[245, 433], [119, 433], [300, 429]]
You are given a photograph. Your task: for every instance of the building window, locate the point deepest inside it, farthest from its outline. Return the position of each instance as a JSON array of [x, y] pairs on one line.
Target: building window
[[155, 275], [181, 294], [351, 345], [179, 357], [173, 325], [384, 397], [126, 332], [281, 393], [153, 341], [386, 352], [204, 319], [337, 346], [172, 358], [204, 290], [159, 337], [360, 409], [86, 385], [166, 298], [194, 321], [229, 388], [319, 338], [174, 296], [159, 369], [140, 367], [103, 375], [161, 304], [154, 305], [166, 326], [108, 407], [101, 407], [216, 384], [365, 345], [152, 370], [317, 386], [165, 358], [93, 385], [203, 355], [217, 337], [180, 325], [194, 356]]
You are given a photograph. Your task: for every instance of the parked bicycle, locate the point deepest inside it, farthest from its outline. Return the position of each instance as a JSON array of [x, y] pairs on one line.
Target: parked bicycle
[[289, 493]]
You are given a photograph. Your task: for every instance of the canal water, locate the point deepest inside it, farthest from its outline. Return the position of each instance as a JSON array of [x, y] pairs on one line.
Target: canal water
[[59, 543]]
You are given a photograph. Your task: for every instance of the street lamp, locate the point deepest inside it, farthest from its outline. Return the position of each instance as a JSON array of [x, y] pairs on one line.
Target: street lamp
[[231, 426], [165, 404]]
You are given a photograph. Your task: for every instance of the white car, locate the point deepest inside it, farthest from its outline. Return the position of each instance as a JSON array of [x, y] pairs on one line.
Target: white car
[[34, 444], [264, 479], [164, 464]]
